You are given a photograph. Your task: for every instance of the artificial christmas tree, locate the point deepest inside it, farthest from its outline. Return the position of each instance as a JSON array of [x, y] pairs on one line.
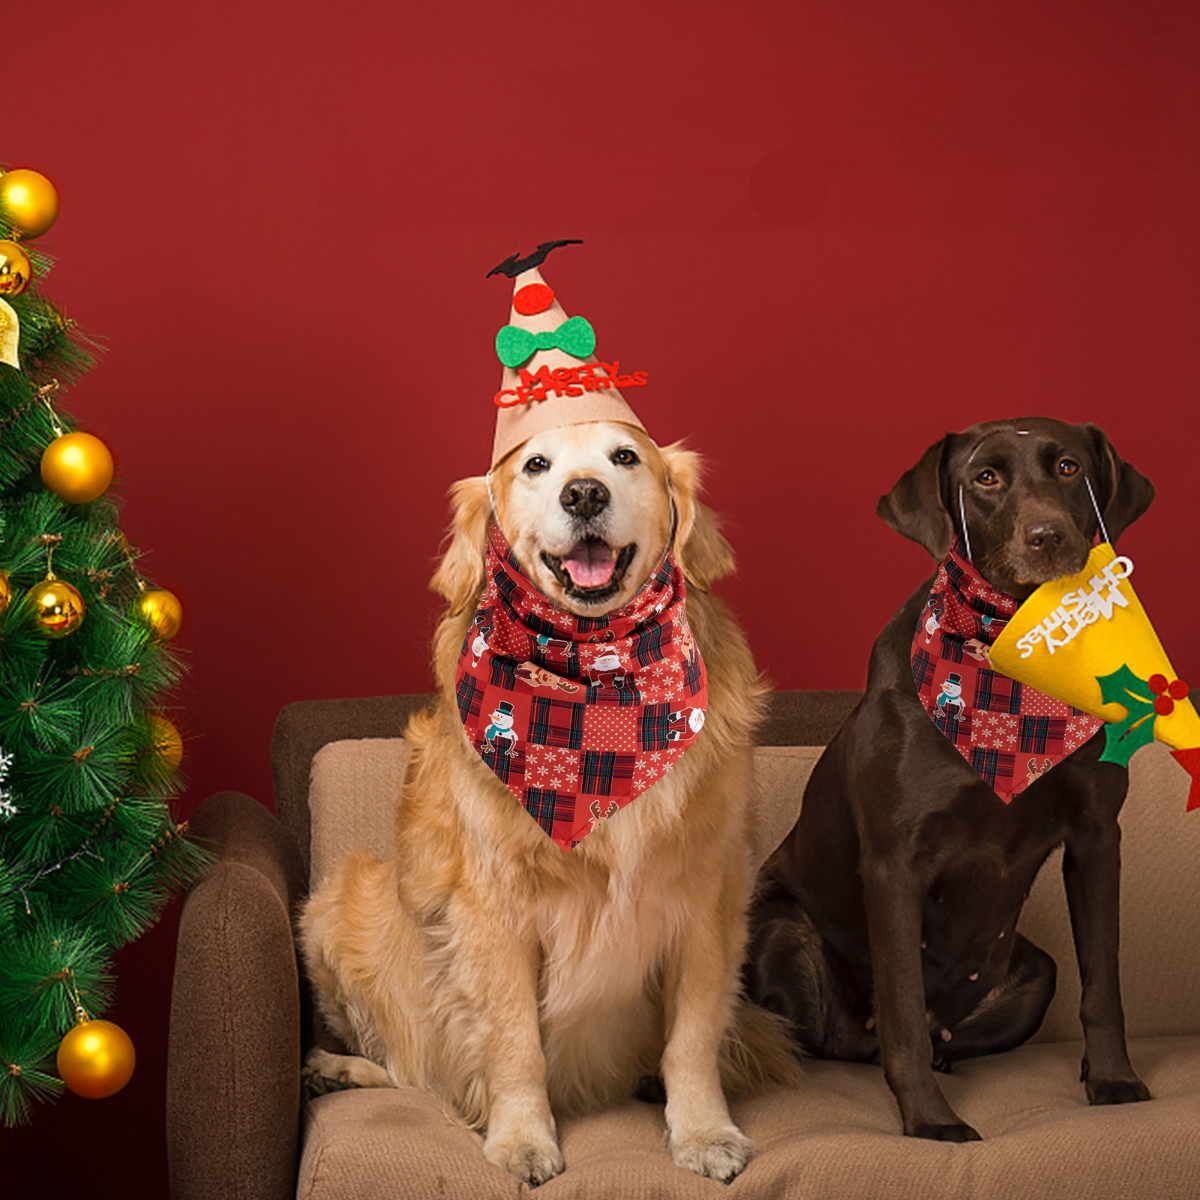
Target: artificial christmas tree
[[89, 851]]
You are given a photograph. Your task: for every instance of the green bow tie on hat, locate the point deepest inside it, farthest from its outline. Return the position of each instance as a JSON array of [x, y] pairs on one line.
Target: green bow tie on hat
[[574, 336]]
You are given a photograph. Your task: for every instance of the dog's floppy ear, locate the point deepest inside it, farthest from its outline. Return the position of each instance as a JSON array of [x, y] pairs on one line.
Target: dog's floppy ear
[[916, 505], [702, 553], [1122, 491], [460, 573]]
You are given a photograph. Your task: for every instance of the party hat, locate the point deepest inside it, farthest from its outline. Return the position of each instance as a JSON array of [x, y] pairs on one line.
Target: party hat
[[551, 376], [1085, 639]]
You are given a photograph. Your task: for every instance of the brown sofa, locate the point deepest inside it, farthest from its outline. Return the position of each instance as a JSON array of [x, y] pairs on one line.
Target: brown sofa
[[238, 1126]]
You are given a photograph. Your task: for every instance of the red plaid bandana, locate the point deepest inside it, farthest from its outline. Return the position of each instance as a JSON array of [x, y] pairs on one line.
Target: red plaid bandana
[[578, 715], [1009, 732]]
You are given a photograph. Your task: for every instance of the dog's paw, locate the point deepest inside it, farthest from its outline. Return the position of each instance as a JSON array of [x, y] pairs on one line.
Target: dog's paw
[[719, 1153], [953, 1131], [533, 1161], [324, 1072], [1118, 1088], [1116, 1091]]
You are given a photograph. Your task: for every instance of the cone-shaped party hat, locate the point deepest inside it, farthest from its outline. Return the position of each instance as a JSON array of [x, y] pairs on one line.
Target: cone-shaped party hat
[[551, 375], [1085, 639]]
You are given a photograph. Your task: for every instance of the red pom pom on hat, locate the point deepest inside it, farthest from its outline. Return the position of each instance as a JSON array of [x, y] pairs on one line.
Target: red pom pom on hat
[[533, 298]]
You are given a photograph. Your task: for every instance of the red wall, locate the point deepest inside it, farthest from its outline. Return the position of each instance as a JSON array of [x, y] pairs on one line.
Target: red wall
[[829, 232]]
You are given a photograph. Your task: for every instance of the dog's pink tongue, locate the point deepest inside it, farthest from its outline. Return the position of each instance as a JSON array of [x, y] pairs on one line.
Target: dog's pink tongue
[[590, 564]]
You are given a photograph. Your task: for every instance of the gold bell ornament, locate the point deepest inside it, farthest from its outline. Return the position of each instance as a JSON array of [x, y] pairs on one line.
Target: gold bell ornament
[[77, 467], [160, 611], [57, 606], [96, 1058], [29, 201], [16, 270]]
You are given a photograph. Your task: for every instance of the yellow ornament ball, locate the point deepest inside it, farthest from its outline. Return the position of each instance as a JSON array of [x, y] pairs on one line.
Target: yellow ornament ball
[[28, 200], [15, 269], [77, 467], [5, 593], [161, 612], [57, 607], [96, 1059], [167, 742]]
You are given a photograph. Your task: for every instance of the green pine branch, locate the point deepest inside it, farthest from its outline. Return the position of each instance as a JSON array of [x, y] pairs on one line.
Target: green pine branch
[[89, 848]]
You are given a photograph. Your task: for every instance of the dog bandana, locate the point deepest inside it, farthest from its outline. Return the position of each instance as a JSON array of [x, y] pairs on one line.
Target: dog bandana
[[577, 715], [1008, 731]]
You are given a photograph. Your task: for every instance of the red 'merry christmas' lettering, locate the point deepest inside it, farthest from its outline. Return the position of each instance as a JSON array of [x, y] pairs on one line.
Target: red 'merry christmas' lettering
[[567, 381]]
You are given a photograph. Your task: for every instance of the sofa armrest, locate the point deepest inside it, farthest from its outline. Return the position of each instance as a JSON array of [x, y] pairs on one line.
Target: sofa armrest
[[233, 1070]]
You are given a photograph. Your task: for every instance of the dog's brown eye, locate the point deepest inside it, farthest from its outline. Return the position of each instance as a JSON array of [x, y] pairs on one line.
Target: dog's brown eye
[[987, 477], [536, 465], [626, 458], [1068, 467]]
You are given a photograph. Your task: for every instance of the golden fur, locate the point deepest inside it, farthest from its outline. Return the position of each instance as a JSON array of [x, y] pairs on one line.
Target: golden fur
[[483, 963]]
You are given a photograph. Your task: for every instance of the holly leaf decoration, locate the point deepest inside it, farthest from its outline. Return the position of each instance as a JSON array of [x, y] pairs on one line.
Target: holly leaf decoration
[[1122, 738]]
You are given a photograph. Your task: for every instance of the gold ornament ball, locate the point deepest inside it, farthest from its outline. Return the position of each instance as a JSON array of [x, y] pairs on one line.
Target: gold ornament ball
[[57, 607], [77, 467], [96, 1059], [29, 201], [167, 742], [161, 611], [16, 270], [5, 593]]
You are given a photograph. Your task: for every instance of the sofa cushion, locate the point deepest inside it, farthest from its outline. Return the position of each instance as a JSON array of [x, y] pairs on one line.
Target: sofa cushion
[[356, 784], [837, 1137]]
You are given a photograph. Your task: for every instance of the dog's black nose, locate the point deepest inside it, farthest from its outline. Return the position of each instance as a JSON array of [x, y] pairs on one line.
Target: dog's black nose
[[1044, 535], [584, 498]]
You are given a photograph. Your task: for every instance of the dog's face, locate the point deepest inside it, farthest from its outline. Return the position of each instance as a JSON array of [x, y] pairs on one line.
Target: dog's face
[[1022, 489], [587, 509]]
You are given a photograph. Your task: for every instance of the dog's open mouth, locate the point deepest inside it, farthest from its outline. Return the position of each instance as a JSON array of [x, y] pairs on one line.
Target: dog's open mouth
[[591, 570]]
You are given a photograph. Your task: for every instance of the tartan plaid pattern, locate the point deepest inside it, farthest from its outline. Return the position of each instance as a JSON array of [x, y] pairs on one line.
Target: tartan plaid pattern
[[994, 766], [504, 672], [1038, 733], [922, 665], [648, 643], [599, 770], [532, 712], [556, 723], [654, 727], [550, 809], [991, 719], [469, 695], [995, 692]]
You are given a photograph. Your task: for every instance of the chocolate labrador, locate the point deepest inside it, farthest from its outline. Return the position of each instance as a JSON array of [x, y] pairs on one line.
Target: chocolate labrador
[[884, 927]]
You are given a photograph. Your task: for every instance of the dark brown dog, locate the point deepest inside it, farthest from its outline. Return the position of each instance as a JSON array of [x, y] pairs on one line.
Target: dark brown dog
[[885, 925]]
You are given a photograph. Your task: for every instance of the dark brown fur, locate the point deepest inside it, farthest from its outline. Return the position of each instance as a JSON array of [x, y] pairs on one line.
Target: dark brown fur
[[885, 924]]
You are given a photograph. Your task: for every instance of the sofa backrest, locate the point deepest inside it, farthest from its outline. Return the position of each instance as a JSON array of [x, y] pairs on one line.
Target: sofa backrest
[[354, 786]]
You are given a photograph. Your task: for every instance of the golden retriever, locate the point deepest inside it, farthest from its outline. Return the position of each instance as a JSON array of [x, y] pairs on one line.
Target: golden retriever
[[485, 964]]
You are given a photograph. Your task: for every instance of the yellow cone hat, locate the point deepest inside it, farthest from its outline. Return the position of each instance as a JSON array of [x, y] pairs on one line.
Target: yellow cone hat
[[1085, 639]]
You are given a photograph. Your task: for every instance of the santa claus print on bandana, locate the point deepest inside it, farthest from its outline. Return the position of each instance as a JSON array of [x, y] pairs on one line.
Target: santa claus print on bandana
[[578, 716], [1009, 732]]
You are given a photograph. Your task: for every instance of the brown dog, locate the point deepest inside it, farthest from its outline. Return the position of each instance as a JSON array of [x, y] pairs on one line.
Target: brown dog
[[885, 925], [485, 964]]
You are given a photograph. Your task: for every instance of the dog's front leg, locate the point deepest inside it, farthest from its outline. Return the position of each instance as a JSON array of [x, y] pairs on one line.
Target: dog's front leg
[[893, 899], [698, 990], [502, 967], [1092, 873]]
